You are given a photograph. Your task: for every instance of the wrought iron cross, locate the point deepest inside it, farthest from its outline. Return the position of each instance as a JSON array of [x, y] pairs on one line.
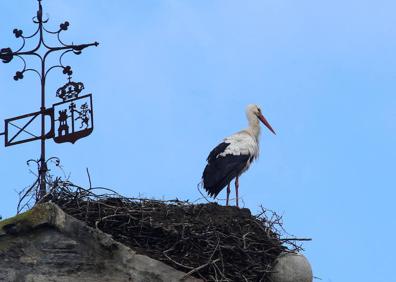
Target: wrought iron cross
[[69, 93]]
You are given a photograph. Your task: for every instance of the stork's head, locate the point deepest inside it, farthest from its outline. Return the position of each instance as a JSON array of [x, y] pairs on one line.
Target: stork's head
[[254, 111]]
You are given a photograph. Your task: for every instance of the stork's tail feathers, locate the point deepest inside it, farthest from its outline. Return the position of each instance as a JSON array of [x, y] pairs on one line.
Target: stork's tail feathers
[[212, 182], [221, 171]]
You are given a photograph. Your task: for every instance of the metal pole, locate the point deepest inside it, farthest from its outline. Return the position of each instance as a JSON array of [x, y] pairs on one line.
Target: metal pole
[[43, 165]]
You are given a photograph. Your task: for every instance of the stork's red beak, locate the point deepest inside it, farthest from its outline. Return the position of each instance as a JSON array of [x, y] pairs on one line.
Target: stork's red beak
[[266, 123]]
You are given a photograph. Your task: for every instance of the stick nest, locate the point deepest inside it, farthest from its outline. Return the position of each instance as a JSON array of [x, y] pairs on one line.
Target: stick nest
[[207, 241]]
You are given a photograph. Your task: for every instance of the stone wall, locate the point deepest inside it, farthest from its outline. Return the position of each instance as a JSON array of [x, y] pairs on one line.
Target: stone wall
[[47, 245]]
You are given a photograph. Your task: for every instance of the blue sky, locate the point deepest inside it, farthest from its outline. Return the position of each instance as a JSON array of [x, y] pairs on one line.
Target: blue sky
[[172, 78]]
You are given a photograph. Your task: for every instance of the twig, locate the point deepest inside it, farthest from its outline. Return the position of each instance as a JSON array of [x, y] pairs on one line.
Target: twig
[[199, 185], [89, 179], [296, 239], [199, 268]]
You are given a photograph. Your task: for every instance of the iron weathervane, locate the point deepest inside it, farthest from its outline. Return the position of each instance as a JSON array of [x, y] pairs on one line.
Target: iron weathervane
[[72, 118]]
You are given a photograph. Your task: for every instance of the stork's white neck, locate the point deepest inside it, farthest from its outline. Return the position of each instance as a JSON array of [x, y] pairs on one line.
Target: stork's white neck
[[254, 125]]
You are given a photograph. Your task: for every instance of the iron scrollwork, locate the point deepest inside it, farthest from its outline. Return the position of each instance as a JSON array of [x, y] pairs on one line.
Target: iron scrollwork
[[81, 107]]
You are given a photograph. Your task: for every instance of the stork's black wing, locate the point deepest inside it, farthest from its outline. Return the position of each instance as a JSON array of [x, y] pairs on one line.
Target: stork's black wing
[[216, 151], [220, 170]]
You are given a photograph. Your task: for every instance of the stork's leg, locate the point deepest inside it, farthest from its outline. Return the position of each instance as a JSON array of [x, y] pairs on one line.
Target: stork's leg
[[228, 193], [236, 190]]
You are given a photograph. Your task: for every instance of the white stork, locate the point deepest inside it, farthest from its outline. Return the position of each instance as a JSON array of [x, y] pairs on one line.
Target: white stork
[[233, 156]]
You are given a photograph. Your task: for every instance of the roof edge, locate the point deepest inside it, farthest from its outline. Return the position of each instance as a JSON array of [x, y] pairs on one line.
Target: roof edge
[[49, 214]]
